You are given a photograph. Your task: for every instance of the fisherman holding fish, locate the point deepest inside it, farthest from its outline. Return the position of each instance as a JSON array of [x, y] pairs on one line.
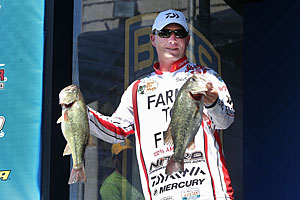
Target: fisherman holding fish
[[175, 113]]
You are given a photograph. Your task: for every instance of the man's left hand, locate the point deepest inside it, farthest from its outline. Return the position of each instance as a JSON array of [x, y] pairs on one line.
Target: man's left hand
[[211, 95]]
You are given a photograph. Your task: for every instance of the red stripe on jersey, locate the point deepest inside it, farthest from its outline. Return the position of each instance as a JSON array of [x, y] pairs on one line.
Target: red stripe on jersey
[[224, 167], [137, 125], [206, 155], [112, 127], [175, 66]]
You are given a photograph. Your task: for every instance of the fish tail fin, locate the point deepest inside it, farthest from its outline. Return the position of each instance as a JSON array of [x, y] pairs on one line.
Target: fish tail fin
[[77, 175], [174, 166], [168, 137]]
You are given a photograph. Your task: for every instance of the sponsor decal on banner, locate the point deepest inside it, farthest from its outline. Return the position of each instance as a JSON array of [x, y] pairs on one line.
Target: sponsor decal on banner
[[2, 121], [3, 78], [4, 174], [19, 32]]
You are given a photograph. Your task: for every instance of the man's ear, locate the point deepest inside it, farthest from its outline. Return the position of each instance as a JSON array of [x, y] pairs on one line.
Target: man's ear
[[152, 38], [188, 37]]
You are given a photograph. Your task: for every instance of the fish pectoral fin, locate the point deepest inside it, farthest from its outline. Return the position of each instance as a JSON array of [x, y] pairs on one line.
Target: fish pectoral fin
[[168, 137], [59, 120], [91, 142], [67, 150], [196, 110]]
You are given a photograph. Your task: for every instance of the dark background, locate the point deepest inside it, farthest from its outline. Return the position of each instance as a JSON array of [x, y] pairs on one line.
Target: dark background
[[271, 98], [61, 77]]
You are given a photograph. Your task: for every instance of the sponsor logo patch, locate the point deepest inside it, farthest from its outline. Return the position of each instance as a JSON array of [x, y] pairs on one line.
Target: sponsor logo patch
[[148, 87], [190, 194]]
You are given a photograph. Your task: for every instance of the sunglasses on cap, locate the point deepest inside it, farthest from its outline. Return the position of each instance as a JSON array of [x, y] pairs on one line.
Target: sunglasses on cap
[[166, 33]]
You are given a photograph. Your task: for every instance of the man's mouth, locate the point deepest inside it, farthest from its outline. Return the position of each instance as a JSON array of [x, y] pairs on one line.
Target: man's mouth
[[172, 48]]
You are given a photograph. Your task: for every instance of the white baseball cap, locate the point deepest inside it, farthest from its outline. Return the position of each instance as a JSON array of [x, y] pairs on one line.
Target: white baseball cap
[[168, 17]]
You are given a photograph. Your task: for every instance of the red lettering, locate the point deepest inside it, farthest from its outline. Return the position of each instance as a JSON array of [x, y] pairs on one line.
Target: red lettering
[[1, 74]]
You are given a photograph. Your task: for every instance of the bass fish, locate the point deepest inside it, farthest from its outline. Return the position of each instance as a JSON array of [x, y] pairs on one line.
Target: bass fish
[[185, 121], [75, 128]]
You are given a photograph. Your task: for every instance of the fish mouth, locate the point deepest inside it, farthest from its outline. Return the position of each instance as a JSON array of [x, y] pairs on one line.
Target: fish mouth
[[196, 96], [67, 105]]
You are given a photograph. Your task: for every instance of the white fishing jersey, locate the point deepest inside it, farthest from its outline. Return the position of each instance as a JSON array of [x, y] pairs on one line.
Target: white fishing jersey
[[145, 110]]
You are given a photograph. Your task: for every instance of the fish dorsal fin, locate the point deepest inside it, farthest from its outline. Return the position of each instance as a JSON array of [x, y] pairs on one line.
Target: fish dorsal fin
[[67, 150], [59, 120], [168, 137]]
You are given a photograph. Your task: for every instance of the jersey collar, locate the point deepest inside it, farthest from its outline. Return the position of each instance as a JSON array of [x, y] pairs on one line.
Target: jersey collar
[[176, 66]]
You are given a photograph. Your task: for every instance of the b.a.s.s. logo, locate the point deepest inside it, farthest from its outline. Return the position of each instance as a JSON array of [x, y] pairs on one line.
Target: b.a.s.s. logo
[[4, 174]]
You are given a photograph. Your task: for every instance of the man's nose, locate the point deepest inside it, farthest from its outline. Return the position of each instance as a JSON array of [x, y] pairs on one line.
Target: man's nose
[[173, 38]]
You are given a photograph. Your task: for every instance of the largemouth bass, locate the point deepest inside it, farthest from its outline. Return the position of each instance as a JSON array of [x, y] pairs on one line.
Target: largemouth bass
[[186, 120], [75, 128]]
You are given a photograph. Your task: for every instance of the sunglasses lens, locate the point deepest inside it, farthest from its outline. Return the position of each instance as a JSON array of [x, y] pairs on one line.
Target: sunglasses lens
[[180, 33], [164, 33]]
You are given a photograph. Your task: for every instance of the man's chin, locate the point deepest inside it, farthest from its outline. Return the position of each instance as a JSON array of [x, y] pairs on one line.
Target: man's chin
[[174, 58]]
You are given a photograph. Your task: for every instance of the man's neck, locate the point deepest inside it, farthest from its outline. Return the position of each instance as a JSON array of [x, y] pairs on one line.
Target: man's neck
[[166, 65]]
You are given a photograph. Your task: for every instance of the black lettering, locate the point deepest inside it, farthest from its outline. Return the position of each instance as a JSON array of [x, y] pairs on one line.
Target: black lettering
[[184, 172], [174, 186], [160, 100], [150, 101], [168, 187], [181, 185], [162, 189], [169, 95], [155, 182], [177, 175], [188, 183], [197, 155], [157, 139], [192, 171], [156, 165], [195, 182], [201, 181], [166, 110], [198, 169], [186, 155]]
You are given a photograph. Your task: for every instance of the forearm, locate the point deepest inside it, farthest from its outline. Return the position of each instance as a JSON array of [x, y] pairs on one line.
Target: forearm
[[220, 114], [109, 129]]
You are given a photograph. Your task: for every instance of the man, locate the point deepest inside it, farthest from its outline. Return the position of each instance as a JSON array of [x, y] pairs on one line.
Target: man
[[145, 110], [116, 186]]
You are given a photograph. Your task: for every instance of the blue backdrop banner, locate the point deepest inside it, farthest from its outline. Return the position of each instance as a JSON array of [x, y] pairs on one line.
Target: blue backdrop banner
[[21, 78]]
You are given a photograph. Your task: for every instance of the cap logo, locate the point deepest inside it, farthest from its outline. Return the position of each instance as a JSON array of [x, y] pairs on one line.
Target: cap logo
[[172, 15]]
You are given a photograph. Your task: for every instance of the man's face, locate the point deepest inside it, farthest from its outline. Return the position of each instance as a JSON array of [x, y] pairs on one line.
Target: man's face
[[172, 48]]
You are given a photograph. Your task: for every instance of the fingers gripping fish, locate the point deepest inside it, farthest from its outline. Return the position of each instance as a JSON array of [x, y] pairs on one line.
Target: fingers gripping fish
[[186, 120], [75, 128]]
